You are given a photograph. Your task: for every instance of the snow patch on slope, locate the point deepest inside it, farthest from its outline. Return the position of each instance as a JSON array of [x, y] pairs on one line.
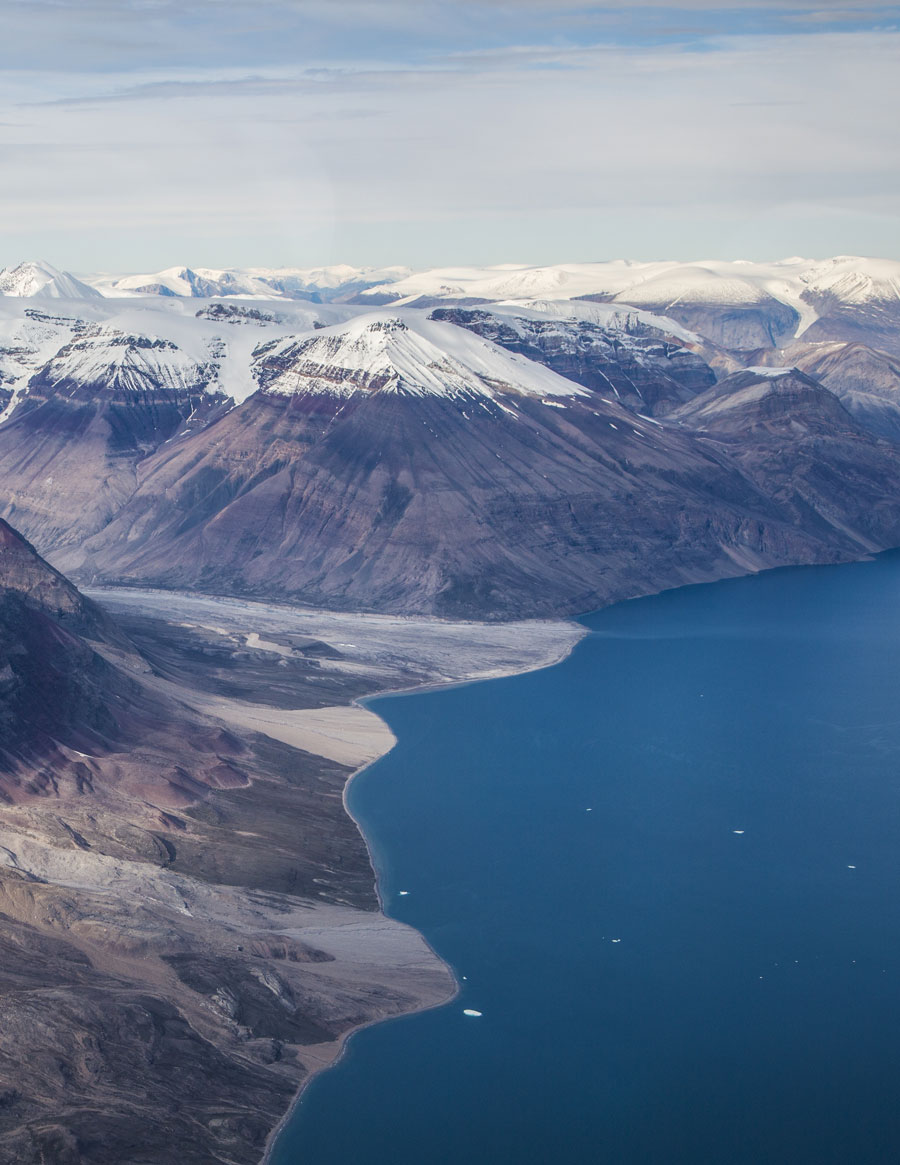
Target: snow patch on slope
[[769, 373]]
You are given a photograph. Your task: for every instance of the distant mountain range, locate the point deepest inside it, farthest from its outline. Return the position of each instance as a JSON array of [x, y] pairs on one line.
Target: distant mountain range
[[487, 442], [767, 303]]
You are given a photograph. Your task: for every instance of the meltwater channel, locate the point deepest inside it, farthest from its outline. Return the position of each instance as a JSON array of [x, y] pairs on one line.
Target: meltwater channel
[[667, 873]]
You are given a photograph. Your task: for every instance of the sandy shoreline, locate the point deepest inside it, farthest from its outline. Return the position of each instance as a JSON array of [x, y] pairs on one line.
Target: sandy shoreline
[[343, 1042]]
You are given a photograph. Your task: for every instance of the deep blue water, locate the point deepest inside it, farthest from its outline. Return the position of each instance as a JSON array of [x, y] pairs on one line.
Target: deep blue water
[[751, 1010]]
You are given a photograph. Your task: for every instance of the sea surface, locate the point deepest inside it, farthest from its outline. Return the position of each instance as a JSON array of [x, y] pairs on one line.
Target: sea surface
[[667, 873]]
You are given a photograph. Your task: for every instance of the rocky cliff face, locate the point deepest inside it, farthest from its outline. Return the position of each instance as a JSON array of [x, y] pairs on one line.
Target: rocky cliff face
[[24, 575], [50, 679], [736, 326], [871, 317], [794, 439]]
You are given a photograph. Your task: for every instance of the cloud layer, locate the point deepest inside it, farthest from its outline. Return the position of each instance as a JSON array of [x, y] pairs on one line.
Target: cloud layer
[[141, 134]]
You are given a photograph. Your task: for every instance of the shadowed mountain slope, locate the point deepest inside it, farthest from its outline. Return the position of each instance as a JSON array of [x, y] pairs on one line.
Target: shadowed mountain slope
[[500, 461]]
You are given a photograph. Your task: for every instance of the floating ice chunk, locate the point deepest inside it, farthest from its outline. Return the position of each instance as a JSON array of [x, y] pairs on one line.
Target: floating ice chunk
[[470, 1011]]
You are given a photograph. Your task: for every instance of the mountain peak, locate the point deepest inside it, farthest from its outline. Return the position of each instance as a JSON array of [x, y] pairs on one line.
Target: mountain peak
[[36, 278], [402, 353]]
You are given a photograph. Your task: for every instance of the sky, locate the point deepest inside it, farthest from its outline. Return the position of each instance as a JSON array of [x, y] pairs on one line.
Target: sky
[[141, 134]]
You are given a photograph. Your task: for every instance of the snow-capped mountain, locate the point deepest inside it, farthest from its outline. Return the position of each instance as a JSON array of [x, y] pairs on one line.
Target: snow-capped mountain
[[40, 280], [89, 401], [113, 361], [514, 455], [804, 290], [397, 462], [666, 281], [735, 305], [402, 352], [317, 283], [224, 334], [402, 463]]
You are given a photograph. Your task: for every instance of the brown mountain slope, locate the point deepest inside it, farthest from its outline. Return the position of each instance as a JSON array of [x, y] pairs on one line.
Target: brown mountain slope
[[794, 439], [157, 875], [488, 507], [865, 380], [406, 464], [435, 505]]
